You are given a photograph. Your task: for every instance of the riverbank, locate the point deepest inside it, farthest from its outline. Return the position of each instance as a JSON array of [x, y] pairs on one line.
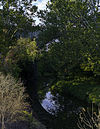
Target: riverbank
[[88, 91]]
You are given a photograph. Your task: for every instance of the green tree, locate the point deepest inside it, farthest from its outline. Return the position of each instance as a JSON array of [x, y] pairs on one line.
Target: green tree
[[74, 53], [24, 50], [63, 18], [72, 24], [16, 17]]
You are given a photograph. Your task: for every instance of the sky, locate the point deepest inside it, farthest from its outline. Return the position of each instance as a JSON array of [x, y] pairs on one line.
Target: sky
[[41, 4]]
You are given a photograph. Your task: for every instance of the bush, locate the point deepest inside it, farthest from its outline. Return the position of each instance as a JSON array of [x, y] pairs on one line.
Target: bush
[[12, 99], [24, 50]]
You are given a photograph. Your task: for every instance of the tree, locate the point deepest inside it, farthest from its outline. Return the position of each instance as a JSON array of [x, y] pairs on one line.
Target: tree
[[16, 18], [69, 29], [12, 99], [24, 50], [73, 52], [72, 23], [62, 16]]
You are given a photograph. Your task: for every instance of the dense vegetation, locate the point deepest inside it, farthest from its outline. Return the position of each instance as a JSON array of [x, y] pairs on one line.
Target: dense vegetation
[[71, 61], [65, 54], [16, 19]]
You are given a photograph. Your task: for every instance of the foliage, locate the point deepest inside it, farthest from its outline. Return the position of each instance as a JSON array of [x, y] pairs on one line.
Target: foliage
[[12, 99], [65, 18], [87, 88], [25, 49], [72, 53], [72, 35], [33, 122], [16, 19]]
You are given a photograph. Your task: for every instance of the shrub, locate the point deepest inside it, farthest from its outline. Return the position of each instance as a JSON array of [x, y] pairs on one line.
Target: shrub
[[24, 50], [12, 99]]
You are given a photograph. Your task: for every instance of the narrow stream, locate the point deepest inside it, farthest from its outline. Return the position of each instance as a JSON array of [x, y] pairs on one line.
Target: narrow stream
[[65, 109]]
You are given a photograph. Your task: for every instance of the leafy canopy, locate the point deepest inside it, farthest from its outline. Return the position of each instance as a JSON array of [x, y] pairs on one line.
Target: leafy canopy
[[72, 44]]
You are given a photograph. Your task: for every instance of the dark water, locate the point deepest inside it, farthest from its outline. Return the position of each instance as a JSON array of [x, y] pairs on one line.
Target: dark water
[[67, 110], [64, 108]]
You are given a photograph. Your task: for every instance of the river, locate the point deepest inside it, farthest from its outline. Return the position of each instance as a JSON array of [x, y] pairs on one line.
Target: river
[[66, 109]]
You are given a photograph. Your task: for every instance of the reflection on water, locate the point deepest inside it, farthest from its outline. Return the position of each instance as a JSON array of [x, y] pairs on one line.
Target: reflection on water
[[65, 108], [50, 104]]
